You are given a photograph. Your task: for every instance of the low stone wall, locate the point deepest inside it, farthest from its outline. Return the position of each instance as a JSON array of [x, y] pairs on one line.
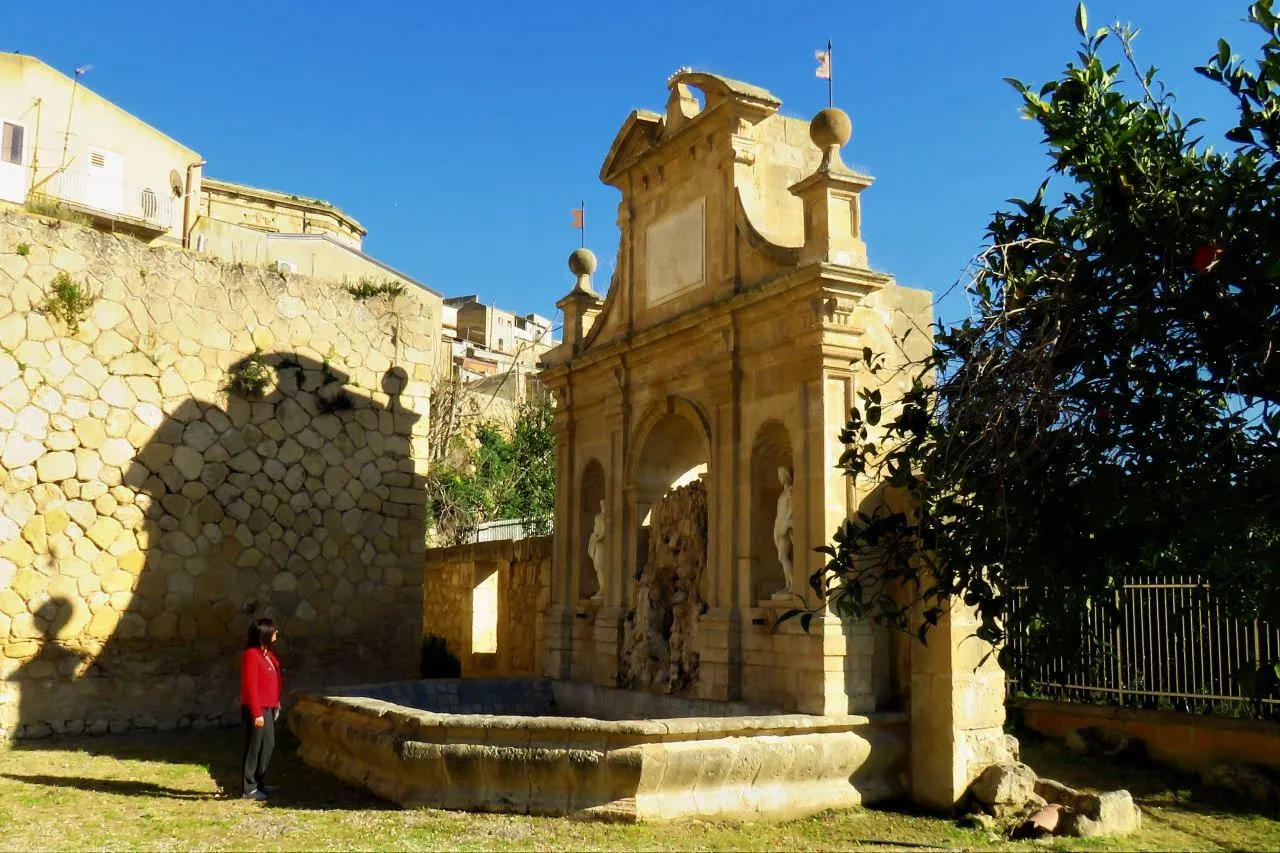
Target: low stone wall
[[523, 569], [1184, 741], [726, 767]]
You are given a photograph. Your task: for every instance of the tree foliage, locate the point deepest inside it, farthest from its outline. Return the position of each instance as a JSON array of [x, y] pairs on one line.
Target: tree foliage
[[1109, 407], [505, 472]]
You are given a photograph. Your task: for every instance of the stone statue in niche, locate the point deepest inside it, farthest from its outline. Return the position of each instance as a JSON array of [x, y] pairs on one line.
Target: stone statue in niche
[[595, 549], [782, 534]]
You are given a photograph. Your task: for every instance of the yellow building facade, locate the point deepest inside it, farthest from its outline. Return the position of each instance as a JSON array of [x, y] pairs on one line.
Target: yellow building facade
[[66, 149], [64, 143]]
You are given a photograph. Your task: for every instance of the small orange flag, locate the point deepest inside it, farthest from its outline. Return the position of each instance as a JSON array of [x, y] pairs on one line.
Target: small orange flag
[[577, 217]]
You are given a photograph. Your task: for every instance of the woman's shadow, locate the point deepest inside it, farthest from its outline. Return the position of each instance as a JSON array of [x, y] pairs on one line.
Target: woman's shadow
[[302, 504]]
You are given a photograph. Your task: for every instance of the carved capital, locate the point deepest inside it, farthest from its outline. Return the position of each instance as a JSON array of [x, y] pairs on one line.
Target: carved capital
[[744, 149], [836, 309]]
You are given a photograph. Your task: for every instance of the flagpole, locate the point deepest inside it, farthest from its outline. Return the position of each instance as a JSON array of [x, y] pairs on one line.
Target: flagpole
[[583, 230], [831, 74]]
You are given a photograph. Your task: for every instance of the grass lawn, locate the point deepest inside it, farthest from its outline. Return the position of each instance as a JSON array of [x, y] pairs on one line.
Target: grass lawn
[[173, 792]]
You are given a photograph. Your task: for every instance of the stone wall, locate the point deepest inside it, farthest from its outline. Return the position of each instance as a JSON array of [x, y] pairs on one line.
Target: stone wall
[[1187, 742], [523, 569], [147, 514]]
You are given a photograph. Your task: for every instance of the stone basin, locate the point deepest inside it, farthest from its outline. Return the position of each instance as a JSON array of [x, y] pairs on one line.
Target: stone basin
[[548, 747]]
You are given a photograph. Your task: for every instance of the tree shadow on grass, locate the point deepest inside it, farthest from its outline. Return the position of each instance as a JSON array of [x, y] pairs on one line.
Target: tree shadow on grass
[[1166, 796], [217, 751]]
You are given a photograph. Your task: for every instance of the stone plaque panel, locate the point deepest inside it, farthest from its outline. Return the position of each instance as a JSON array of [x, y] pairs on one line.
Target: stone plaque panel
[[675, 253]]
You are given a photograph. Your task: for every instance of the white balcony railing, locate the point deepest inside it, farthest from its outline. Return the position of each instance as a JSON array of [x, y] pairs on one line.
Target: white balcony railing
[[110, 198]]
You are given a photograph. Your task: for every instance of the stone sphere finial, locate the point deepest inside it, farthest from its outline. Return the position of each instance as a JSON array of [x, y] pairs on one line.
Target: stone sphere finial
[[582, 262], [831, 127]]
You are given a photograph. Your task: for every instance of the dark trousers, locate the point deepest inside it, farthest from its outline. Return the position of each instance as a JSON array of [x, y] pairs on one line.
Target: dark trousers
[[258, 745]]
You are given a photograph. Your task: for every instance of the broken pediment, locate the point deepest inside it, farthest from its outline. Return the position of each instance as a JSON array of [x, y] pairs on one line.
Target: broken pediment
[[721, 194]]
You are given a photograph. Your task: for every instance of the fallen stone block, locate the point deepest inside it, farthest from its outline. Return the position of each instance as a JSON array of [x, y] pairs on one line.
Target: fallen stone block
[[1007, 783], [1006, 790], [1088, 815]]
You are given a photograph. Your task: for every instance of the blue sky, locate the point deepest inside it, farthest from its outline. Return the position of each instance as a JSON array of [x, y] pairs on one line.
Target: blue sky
[[461, 135]]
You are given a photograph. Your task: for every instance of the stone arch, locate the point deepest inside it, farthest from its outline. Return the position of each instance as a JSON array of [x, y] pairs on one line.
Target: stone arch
[[679, 425], [770, 450], [672, 447], [592, 492]]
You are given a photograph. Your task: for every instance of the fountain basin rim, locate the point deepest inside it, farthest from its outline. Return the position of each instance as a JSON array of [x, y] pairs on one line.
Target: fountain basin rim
[[674, 728]]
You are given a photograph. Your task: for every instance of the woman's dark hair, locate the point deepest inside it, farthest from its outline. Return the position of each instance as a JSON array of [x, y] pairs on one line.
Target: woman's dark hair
[[260, 633]]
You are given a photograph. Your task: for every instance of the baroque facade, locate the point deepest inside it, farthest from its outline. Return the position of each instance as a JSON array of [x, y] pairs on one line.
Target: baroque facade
[[715, 376]]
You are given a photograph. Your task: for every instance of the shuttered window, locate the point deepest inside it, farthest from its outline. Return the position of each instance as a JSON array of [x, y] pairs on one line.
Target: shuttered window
[[11, 143]]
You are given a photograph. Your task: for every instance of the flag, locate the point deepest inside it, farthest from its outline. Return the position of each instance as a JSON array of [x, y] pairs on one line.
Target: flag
[[577, 217], [823, 71]]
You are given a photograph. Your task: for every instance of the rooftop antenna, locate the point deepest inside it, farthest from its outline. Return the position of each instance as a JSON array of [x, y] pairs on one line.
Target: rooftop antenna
[[66, 137]]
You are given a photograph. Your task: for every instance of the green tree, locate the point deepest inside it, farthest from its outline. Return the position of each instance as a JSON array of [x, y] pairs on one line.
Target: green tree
[[1109, 407], [509, 473]]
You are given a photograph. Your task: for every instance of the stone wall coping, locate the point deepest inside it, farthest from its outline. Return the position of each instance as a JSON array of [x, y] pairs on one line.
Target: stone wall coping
[[1155, 717], [498, 550], [682, 728]]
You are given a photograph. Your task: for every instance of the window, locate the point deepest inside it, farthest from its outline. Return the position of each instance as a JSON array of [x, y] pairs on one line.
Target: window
[[11, 143]]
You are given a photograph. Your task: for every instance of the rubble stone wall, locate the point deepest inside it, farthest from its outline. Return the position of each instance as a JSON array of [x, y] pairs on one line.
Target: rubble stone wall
[[524, 589], [148, 512]]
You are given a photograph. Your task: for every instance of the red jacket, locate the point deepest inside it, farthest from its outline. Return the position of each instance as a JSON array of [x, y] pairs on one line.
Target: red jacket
[[260, 681]]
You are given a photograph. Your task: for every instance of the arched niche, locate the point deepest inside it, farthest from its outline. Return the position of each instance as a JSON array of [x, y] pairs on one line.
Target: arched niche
[[592, 493], [674, 450], [770, 450]]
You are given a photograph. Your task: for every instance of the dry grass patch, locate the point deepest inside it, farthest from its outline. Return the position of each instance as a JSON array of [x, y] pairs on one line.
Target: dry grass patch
[[179, 792]]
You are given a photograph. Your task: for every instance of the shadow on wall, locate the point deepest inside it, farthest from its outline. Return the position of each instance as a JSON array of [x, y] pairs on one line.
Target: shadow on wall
[[302, 505]]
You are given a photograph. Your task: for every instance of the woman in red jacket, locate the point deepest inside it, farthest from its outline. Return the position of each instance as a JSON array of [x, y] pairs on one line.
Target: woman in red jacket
[[260, 687]]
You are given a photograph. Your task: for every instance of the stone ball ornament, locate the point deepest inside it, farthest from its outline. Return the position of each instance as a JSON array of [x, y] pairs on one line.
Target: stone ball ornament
[[582, 262], [831, 127]]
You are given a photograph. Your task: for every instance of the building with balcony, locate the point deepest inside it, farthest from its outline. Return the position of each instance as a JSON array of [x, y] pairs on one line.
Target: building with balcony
[[63, 144], [65, 148]]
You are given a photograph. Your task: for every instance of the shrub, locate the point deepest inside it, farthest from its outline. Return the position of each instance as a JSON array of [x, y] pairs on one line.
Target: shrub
[[437, 660], [251, 377], [23, 249], [367, 288], [43, 205], [68, 300]]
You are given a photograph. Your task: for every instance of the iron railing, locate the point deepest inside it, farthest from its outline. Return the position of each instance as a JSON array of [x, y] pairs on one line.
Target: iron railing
[[1161, 643], [109, 199], [505, 529]]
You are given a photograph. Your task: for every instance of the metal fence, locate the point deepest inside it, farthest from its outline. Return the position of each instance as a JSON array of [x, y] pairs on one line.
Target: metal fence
[[493, 531], [113, 199], [1165, 643]]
